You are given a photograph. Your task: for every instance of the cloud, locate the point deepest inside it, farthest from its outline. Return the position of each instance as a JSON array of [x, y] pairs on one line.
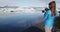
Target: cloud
[[27, 2], [8, 2], [47, 1]]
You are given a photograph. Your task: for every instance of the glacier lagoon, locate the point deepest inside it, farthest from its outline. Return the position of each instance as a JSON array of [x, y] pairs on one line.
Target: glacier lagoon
[[17, 22]]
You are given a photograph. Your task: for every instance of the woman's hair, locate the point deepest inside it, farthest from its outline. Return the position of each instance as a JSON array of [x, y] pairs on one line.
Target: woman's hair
[[53, 11], [52, 2]]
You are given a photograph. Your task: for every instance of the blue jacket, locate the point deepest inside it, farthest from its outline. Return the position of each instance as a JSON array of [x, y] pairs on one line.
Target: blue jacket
[[48, 18]]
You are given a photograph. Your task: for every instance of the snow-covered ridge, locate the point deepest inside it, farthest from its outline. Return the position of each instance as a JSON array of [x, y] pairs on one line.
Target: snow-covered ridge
[[20, 9], [8, 12]]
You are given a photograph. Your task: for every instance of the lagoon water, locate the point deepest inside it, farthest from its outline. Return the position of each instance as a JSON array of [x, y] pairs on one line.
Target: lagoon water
[[17, 22]]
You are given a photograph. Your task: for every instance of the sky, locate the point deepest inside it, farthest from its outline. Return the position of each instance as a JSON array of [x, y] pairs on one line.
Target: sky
[[29, 3]]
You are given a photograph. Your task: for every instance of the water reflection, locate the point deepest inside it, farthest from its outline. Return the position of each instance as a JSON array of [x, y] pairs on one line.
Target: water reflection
[[19, 22]]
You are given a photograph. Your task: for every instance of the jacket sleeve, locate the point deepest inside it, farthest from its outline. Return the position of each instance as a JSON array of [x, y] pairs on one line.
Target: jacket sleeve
[[46, 15]]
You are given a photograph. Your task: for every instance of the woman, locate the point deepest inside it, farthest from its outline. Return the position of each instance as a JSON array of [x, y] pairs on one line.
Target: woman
[[49, 16]]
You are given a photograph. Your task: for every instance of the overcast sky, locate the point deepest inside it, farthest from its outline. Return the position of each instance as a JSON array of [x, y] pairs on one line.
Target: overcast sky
[[32, 3]]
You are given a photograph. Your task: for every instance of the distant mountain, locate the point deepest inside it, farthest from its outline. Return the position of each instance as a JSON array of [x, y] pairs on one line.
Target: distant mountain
[[8, 6]]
